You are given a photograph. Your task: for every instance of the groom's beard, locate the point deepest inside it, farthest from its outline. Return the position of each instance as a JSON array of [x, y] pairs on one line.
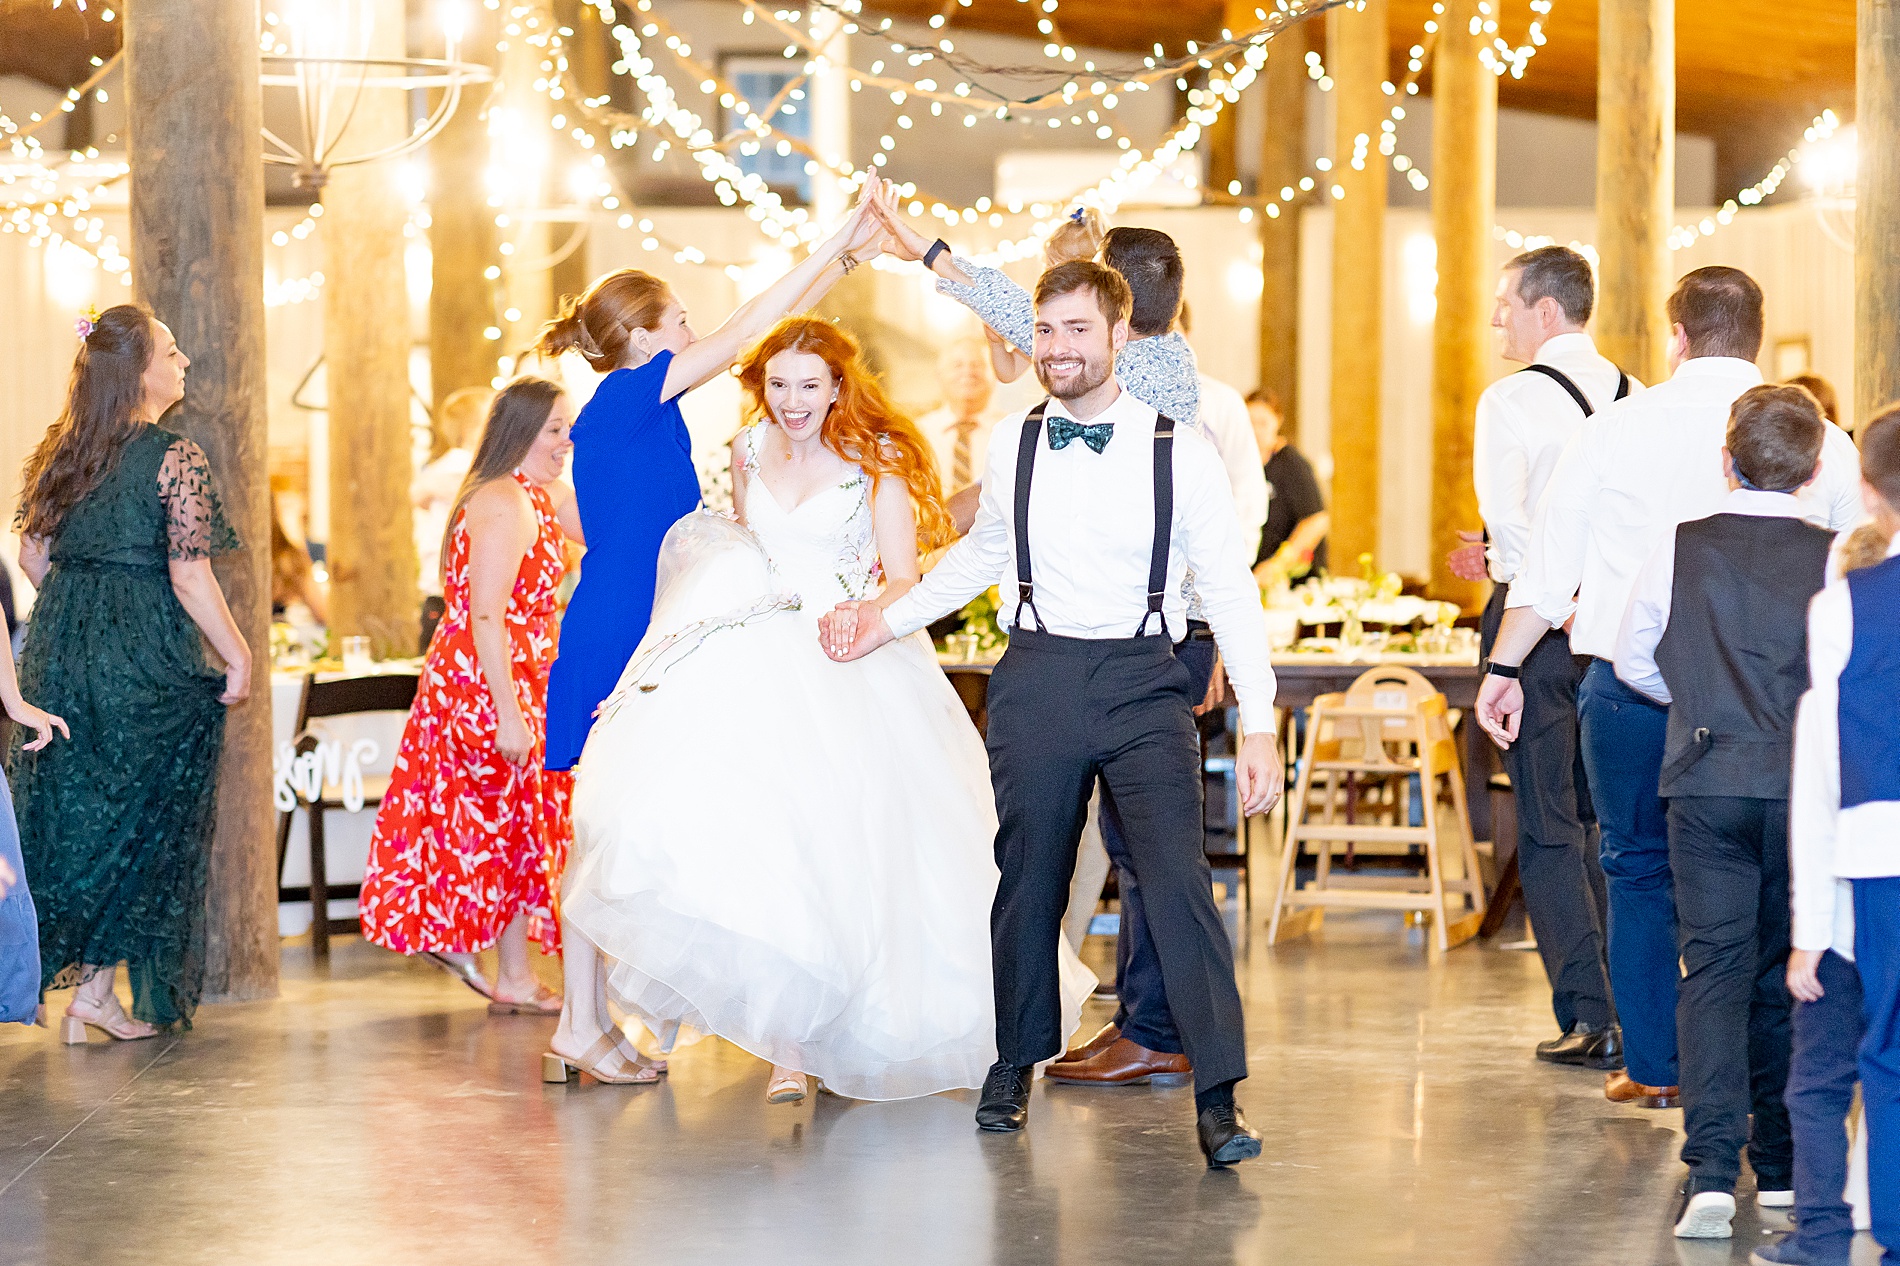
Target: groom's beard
[[1065, 382]]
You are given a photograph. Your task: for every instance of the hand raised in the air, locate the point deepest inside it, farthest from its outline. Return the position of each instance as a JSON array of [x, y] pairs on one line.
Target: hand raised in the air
[[852, 630]]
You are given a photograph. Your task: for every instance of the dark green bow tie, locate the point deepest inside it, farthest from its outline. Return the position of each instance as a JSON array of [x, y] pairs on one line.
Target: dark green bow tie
[[1063, 430]]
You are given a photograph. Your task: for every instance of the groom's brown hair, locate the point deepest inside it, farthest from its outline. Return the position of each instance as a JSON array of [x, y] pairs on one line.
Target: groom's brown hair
[[1111, 288]]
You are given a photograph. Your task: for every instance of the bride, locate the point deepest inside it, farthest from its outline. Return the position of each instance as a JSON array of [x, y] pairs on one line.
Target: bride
[[787, 852]]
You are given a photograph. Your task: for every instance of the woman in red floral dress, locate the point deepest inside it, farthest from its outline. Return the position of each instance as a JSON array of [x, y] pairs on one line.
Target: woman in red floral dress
[[472, 834]]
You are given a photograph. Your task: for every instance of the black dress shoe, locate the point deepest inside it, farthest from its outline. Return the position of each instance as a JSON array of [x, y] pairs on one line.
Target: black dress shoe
[[1226, 1138], [1585, 1047], [1005, 1103]]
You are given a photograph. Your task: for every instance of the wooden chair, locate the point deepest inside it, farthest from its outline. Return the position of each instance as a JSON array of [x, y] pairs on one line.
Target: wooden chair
[[395, 692], [1364, 748]]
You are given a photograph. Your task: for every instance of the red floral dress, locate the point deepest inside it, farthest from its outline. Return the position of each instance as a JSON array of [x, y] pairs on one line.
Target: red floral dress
[[464, 840]]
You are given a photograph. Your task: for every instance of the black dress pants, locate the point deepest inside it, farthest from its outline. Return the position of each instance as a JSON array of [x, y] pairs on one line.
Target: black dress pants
[[1143, 1016], [1730, 859], [1564, 890], [1064, 711]]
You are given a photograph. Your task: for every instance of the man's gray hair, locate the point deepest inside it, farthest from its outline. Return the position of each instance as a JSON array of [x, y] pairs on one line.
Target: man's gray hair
[[1557, 272]]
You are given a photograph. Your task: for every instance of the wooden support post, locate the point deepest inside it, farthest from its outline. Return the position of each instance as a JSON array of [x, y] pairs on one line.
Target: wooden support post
[[197, 229], [1464, 198], [1356, 48], [1877, 211], [1636, 181], [1282, 163], [462, 238], [366, 341]]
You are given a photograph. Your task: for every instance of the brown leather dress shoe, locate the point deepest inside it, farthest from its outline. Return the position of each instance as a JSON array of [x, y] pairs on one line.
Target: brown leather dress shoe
[[1123, 1063], [1618, 1088], [1103, 1039]]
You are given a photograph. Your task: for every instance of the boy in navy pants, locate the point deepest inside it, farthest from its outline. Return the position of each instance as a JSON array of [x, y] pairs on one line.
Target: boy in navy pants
[[1844, 837]]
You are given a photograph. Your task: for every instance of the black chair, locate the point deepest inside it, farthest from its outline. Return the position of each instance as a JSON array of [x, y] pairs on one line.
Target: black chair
[[394, 692], [433, 609], [1510, 889]]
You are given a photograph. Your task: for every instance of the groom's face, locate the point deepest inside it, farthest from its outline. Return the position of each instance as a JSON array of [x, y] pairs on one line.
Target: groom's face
[[1075, 344]]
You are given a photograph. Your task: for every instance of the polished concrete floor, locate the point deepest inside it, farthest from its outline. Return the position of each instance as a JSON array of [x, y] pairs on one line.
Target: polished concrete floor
[[375, 1113]]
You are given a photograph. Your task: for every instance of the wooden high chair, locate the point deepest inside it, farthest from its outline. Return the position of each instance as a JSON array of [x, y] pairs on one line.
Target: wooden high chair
[[1363, 749]]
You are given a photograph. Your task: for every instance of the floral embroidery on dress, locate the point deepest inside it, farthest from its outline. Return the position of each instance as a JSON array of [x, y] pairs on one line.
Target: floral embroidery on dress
[[858, 566], [195, 526]]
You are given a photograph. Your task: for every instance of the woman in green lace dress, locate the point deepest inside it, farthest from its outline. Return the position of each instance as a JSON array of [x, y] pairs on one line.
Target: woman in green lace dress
[[118, 521]]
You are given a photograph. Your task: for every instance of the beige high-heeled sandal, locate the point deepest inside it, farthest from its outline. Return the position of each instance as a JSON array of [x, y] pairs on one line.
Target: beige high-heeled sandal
[[786, 1087], [555, 1067], [72, 1028]]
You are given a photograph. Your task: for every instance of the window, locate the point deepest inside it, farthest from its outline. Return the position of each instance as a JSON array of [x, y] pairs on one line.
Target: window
[[759, 79]]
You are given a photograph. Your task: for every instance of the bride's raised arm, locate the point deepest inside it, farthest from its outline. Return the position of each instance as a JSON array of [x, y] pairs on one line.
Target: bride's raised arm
[[894, 525]]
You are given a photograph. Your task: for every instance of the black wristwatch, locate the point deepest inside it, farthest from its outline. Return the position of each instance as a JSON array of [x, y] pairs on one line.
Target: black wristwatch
[[1507, 671], [937, 248]]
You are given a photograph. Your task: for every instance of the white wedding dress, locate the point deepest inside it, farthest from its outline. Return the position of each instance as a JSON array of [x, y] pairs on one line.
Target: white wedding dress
[[791, 853]]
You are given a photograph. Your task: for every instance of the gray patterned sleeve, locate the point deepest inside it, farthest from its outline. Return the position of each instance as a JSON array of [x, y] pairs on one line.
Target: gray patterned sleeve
[[1161, 373], [997, 301]]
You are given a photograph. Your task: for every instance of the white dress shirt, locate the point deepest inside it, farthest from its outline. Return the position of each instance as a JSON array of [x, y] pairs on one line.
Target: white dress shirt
[[1634, 471], [1823, 904], [1091, 534], [1225, 419], [1523, 422], [1647, 616], [940, 428], [1865, 839]]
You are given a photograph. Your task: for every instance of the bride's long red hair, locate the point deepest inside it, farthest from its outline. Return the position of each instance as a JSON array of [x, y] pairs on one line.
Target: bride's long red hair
[[863, 426]]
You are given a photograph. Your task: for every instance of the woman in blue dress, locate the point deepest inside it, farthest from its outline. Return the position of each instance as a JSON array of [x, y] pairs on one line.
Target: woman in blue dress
[[633, 479], [19, 923]]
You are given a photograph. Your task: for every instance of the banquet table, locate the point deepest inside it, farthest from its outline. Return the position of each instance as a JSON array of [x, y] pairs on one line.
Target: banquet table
[[1303, 676]]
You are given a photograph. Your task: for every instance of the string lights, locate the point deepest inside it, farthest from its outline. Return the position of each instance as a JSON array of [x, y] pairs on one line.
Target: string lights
[[1683, 236]]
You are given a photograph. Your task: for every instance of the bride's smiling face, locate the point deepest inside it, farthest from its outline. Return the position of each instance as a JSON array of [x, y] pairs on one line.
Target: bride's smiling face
[[799, 392]]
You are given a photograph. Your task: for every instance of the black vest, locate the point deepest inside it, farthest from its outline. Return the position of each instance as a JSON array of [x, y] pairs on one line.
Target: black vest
[[1735, 654]]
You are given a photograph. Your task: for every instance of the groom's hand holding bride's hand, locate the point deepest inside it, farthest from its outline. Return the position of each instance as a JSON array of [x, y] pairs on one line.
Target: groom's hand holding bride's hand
[[1257, 773], [852, 630]]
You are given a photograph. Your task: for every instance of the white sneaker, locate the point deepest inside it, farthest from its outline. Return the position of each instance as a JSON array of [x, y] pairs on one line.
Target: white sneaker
[[1775, 1199], [1706, 1216]]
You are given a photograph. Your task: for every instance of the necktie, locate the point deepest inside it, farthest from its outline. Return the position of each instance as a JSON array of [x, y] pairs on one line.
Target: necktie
[[960, 456], [1064, 430]]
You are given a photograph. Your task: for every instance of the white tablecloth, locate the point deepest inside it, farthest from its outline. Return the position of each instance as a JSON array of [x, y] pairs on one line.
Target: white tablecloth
[[346, 835]]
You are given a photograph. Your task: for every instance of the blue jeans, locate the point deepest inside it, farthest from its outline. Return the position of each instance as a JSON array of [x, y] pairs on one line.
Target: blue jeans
[[1821, 1077], [1877, 955], [1622, 737]]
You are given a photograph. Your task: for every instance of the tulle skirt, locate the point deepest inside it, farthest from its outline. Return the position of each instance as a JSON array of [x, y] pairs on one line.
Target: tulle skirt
[[791, 853]]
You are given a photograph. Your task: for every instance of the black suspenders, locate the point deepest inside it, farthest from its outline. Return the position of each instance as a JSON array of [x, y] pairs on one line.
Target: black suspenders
[[1164, 525], [1562, 379], [1025, 467], [1164, 520]]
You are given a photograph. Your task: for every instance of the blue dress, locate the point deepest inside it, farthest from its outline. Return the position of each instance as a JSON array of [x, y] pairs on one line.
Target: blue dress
[[19, 928], [633, 479]]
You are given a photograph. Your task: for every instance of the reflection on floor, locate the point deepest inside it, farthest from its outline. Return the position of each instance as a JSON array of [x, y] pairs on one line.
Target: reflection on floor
[[375, 1113]]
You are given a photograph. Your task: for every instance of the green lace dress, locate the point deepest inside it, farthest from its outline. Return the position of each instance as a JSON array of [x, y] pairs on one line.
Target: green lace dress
[[115, 825]]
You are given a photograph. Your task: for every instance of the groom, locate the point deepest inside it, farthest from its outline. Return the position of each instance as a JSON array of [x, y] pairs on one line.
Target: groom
[[1099, 534]]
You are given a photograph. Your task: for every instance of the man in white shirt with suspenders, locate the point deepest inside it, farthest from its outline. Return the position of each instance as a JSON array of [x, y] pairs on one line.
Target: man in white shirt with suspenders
[[1545, 298], [1098, 507]]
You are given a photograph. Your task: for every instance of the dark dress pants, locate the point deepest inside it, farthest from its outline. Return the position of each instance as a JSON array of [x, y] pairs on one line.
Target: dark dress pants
[[1877, 955], [1063, 712], [1143, 1015], [1730, 859], [1821, 1080], [1564, 892], [1622, 735]]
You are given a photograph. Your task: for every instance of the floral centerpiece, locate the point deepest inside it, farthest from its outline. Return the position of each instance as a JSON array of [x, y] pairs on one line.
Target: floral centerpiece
[[1352, 602], [979, 621]]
